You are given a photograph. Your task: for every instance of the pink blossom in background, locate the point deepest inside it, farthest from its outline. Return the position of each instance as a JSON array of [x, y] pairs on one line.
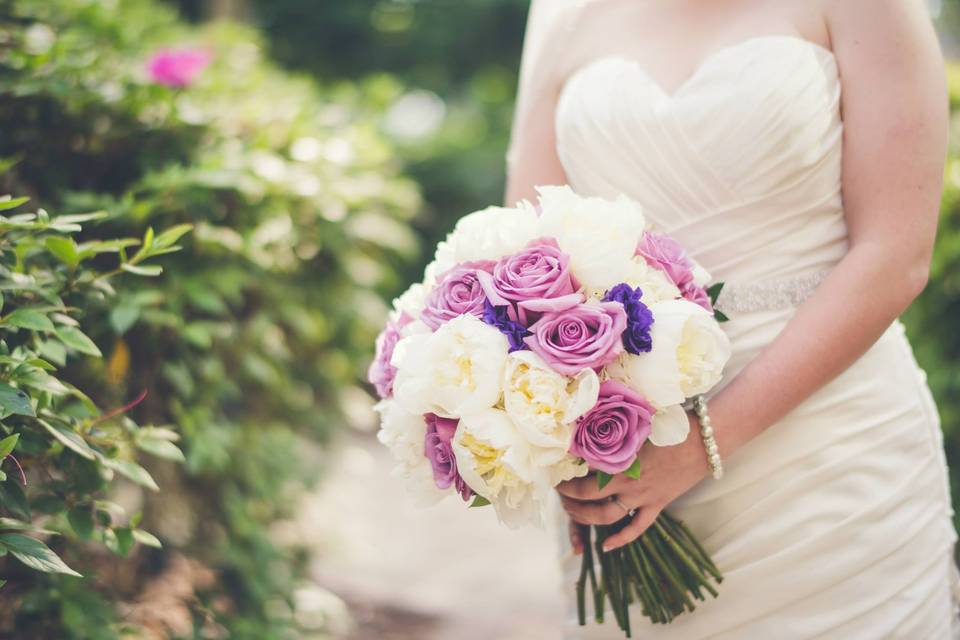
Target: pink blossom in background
[[177, 67]]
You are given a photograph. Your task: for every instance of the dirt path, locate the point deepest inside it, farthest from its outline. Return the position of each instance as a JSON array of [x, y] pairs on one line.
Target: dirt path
[[424, 573]]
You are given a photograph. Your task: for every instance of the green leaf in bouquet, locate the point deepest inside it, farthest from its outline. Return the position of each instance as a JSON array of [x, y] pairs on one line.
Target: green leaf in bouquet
[[714, 292], [29, 319], [35, 554], [633, 471], [15, 401], [479, 501], [78, 340], [7, 445], [603, 479], [720, 316]]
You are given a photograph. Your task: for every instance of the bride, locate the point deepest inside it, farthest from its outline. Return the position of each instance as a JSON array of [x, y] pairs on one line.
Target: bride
[[796, 149]]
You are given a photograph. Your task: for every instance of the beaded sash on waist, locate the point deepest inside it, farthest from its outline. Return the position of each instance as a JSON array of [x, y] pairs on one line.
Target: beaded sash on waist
[[768, 295]]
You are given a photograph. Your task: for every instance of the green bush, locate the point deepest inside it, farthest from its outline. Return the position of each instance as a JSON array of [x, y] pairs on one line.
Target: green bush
[[248, 344], [933, 319]]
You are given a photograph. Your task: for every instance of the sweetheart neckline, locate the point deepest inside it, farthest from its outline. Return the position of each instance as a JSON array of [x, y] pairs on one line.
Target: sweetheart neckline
[[699, 69]]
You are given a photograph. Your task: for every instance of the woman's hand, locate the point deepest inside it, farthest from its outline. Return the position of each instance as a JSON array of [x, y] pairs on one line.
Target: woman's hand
[[666, 473]]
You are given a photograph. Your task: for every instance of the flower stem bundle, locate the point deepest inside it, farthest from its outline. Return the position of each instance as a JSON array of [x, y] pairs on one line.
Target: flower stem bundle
[[664, 570]]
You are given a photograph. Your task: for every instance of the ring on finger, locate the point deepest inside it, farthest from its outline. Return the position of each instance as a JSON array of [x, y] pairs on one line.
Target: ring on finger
[[619, 502]]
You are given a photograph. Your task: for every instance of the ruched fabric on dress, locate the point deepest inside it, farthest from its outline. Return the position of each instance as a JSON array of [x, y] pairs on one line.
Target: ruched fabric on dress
[[836, 522]]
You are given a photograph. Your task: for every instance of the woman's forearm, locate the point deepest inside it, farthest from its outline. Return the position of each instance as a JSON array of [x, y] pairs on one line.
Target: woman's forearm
[[850, 310]]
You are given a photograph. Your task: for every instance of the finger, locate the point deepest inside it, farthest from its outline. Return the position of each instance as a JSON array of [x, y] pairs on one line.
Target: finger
[[575, 540], [587, 488], [640, 523], [605, 512]]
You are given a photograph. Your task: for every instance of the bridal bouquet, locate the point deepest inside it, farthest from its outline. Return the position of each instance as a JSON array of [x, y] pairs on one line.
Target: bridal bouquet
[[545, 343]]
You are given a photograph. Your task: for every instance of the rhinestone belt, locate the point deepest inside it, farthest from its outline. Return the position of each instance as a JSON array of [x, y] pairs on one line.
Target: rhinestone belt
[[768, 295]]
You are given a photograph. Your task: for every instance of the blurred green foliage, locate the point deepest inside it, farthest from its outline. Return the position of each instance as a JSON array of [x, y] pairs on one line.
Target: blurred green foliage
[[250, 342], [452, 67], [933, 319]]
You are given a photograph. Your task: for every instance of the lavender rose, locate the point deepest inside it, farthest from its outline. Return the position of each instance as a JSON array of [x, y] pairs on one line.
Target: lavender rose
[[381, 373], [697, 295], [458, 292], [587, 336], [666, 254], [437, 449], [532, 281], [609, 436], [636, 339]]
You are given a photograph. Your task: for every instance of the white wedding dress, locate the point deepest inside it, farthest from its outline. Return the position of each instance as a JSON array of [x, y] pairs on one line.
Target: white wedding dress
[[836, 521]]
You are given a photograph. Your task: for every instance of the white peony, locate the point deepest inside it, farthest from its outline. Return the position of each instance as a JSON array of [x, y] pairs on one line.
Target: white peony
[[669, 426], [403, 434], [452, 372], [701, 277], [411, 301], [566, 468], [688, 355], [544, 404], [654, 283], [600, 236], [494, 460], [489, 234]]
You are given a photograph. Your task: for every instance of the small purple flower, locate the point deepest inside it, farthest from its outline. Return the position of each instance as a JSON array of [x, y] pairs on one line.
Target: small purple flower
[[499, 317], [437, 449], [177, 67], [636, 339]]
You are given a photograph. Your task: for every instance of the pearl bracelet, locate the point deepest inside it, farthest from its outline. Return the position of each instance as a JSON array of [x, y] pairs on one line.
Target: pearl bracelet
[[709, 443]]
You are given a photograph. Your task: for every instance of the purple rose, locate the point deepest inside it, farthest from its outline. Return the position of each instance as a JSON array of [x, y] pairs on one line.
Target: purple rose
[[666, 254], [437, 449], [533, 281], [636, 339], [458, 292], [696, 295], [381, 373], [177, 67], [587, 336], [609, 436]]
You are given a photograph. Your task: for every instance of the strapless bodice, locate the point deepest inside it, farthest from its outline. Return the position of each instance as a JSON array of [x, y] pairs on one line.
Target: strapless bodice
[[741, 163]]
